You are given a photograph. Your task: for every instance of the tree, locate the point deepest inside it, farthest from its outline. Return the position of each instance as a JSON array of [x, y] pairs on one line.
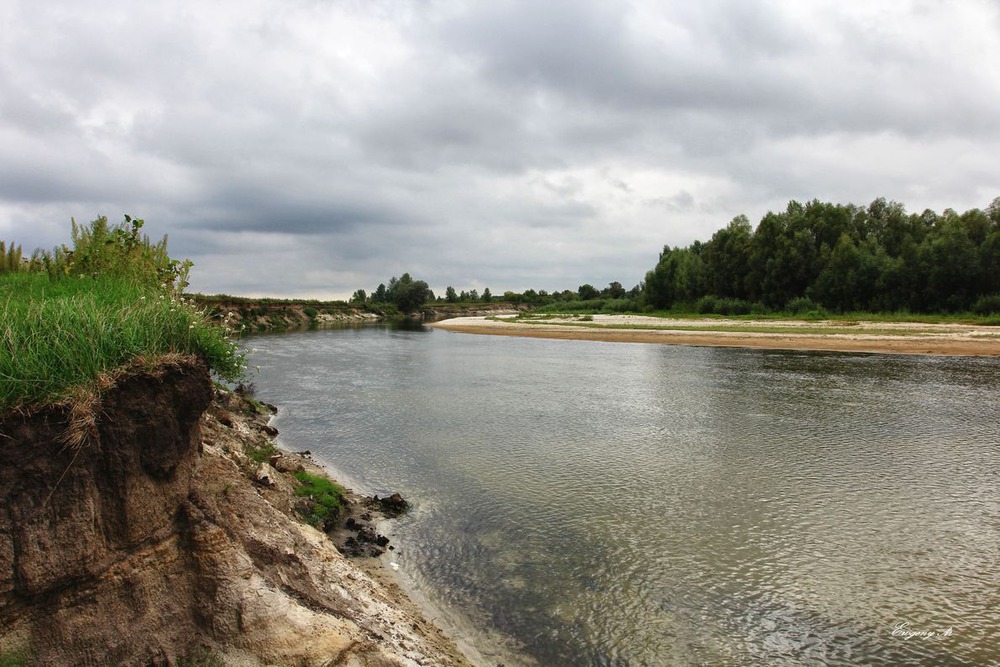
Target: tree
[[614, 290], [359, 296], [450, 295], [487, 296], [851, 278], [587, 292], [408, 294], [380, 294], [727, 259]]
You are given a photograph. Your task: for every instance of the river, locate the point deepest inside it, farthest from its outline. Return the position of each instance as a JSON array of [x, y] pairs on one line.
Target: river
[[588, 503]]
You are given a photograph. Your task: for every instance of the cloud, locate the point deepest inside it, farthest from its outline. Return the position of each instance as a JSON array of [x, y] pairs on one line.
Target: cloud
[[313, 147]]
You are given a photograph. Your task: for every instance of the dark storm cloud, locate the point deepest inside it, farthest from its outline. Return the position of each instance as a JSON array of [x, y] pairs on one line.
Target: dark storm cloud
[[318, 147]]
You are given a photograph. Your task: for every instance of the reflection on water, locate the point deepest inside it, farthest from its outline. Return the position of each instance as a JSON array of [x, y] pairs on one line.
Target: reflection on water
[[615, 504]]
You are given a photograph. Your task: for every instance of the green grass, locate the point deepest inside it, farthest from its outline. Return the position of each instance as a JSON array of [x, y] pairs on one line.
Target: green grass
[[60, 336], [327, 498]]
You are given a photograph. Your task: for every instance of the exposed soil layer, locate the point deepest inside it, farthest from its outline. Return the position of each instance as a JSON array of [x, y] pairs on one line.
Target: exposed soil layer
[[157, 542]]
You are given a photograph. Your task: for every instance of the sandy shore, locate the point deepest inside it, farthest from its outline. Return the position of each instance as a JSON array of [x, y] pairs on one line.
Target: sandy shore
[[873, 337]]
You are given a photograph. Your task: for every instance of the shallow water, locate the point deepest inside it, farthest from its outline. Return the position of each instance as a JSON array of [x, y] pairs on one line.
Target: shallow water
[[587, 503]]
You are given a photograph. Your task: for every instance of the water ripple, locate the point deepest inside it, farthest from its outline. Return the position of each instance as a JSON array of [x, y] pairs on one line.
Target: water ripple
[[611, 504]]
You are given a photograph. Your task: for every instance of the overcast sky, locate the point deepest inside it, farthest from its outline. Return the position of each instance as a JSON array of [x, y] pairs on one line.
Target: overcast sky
[[314, 147]]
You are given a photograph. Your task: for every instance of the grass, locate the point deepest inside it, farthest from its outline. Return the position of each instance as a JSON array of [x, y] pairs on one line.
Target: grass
[[58, 337], [327, 498]]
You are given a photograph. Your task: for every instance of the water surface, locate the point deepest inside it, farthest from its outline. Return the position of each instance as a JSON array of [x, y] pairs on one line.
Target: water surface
[[588, 503]]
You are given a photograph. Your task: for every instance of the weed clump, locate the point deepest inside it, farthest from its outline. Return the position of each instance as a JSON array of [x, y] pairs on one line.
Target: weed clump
[[324, 499]]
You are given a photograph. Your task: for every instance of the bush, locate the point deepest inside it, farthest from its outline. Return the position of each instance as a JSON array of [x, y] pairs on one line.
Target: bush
[[987, 305], [707, 305], [800, 305]]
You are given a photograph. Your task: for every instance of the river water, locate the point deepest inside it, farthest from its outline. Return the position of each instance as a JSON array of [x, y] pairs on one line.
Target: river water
[[589, 503]]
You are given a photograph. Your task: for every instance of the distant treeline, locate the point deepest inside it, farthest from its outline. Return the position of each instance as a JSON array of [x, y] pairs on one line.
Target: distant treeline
[[839, 257], [810, 257]]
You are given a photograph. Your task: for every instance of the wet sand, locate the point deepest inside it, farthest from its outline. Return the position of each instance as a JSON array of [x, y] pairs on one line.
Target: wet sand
[[870, 337]]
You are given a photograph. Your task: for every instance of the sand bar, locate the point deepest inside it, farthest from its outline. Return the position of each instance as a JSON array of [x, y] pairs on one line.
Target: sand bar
[[871, 337]]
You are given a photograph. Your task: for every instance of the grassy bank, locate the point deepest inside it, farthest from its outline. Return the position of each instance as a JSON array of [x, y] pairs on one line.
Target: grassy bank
[[63, 329]]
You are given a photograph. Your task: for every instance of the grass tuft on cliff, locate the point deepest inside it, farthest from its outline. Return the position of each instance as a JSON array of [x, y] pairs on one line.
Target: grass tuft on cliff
[[69, 316], [327, 499]]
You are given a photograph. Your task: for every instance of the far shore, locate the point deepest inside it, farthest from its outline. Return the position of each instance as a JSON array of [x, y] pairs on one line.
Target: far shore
[[869, 337]]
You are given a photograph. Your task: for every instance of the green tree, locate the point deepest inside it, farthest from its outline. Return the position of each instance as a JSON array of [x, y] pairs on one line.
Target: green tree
[[450, 295], [614, 290], [727, 259], [851, 279], [949, 260], [587, 292], [408, 294], [359, 296], [487, 296]]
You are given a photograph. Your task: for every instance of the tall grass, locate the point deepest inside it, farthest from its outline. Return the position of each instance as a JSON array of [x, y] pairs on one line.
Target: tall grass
[[61, 331]]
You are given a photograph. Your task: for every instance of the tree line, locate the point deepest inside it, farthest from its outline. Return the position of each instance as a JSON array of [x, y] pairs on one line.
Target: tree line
[[839, 257], [810, 257]]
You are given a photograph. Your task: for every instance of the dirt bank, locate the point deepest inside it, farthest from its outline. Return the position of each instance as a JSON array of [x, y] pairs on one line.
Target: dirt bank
[[160, 541], [874, 337]]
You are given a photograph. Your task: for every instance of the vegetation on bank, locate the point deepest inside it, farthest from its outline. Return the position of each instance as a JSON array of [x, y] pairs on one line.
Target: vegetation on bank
[[325, 499], [813, 260], [76, 313], [838, 258]]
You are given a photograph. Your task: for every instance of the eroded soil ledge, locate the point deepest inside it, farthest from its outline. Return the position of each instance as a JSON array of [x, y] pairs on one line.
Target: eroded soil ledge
[[161, 542]]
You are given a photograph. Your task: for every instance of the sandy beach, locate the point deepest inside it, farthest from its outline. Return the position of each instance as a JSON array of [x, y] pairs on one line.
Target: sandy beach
[[870, 337]]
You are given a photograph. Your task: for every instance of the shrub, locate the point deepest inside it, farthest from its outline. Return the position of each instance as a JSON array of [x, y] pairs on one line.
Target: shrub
[[987, 305], [706, 305], [714, 305], [800, 305]]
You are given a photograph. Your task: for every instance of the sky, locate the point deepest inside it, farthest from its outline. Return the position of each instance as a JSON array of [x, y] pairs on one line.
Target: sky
[[309, 148]]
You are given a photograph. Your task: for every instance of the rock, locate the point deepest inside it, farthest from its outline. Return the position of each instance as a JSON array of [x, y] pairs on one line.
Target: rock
[[392, 506], [265, 475]]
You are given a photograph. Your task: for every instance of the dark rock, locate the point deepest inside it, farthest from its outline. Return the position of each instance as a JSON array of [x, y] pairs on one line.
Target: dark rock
[[392, 506]]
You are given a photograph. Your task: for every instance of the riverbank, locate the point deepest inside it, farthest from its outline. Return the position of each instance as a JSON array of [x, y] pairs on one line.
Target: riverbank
[[236, 431], [868, 337], [158, 523]]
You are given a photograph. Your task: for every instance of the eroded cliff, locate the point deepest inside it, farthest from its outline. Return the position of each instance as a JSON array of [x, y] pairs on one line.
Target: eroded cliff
[[149, 545]]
